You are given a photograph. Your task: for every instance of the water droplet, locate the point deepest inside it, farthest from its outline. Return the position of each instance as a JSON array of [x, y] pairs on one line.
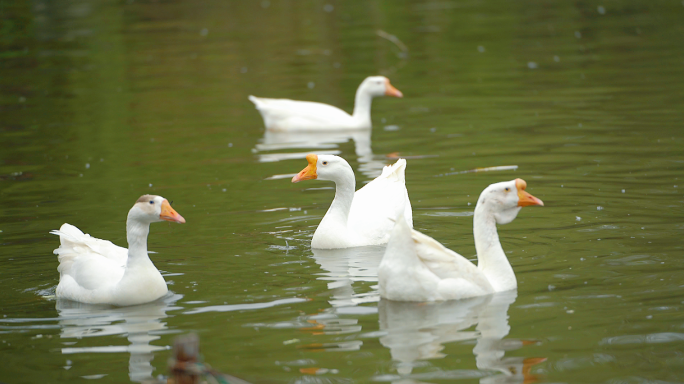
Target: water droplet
[[230, 145], [480, 48], [623, 191], [87, 165], [150, 185], [532, 65], [601, 10], [311, 84]]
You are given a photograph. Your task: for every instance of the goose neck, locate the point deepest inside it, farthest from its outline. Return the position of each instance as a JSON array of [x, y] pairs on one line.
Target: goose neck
[[345, 187], [136, 234], [491, 259], [362, 105]]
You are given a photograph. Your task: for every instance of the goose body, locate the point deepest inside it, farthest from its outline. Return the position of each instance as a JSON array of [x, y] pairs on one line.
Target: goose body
[[96, 271], [293, 115], [364, 217], [416, 267]]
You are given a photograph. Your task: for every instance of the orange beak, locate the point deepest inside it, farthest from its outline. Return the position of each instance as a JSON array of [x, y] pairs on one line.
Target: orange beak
[[169, 214], [524, 198], [391, 91], [308, 173]]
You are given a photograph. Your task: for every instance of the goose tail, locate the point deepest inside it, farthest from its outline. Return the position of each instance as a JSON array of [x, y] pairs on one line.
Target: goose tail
[[395, 171]]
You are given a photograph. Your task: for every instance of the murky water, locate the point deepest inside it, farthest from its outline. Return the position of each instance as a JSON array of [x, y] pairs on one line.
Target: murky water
[[102, 102]]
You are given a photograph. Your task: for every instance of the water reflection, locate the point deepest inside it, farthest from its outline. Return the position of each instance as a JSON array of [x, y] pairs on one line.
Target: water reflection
[[418, 331], [322, 143], [346, 266], [141, 324]]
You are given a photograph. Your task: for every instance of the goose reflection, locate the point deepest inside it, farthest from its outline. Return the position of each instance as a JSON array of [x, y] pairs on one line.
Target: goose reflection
[[141, 324], [322, 143], [418, 331], [348, 265]]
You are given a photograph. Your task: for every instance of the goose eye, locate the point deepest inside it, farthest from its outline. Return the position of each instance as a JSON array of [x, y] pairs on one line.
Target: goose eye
[[151, 201], [325, 163], [507, 189]]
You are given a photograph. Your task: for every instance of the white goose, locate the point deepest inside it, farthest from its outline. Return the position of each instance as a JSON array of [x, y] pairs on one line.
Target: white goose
[[416, 267], [364, 217], [292, 115], [96, 271]]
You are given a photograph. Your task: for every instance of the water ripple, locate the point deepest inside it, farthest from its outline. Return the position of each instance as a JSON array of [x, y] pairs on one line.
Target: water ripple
[[240, 307], [653, 338]]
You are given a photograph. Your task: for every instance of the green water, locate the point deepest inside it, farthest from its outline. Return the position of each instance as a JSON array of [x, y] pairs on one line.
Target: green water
[[101, 102]]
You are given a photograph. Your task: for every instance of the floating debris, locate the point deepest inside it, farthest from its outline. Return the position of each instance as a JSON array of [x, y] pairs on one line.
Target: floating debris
[[278, 177], [395, 40], [395, 155], [487, 169]]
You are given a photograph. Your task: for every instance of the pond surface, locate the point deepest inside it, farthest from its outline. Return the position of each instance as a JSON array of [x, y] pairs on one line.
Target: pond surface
[[102, 102]]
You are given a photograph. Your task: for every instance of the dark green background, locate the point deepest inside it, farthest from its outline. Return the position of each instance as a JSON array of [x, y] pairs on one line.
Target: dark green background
[[101, 102]]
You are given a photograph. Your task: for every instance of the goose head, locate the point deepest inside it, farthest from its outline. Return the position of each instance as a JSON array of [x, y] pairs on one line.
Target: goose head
[[152, 209], [505, 199], [324, 167], [379, 86]]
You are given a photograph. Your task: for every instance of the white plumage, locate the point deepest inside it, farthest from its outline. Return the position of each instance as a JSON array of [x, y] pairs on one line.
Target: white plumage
[[363, 217], [293, 115], [416, 267], [96, 271]]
